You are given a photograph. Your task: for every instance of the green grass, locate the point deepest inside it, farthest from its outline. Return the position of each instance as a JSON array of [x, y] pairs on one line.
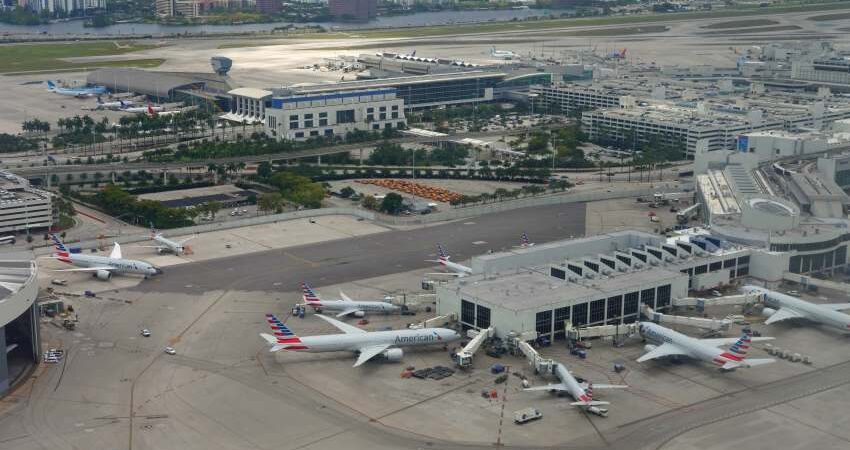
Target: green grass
[[48, 57], [826, 17], [753, 30], [137, 63], [541, 25], [619, 31], [740, 24]]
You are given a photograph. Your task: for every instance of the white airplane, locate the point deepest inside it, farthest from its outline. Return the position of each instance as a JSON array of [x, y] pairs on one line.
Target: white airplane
[[102, 267], [666, 342], [119, 105], [525, 242], [458, 270], [368, 344], [81, 92], [167, 245], [779, 307], [581, 392], [346, 306], [503, 54]]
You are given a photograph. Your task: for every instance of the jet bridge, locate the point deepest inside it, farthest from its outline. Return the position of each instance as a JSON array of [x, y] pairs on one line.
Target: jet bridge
[[540, 364], [464, 356], [728, 300], [697, 322], [576, 334]]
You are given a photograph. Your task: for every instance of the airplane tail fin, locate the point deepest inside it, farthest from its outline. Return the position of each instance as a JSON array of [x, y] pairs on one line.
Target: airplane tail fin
[[61, 250], [310, 295], [50, 85], [741, 346], [282, 337], [524, 241], [441, 252]]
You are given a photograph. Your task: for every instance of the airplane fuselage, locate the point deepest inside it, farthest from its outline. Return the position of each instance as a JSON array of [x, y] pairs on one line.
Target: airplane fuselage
[[574, 388], [657, 334], [117, 265], [808, 310], [168, 244], [343, 305], [356, 341], [455, 267]]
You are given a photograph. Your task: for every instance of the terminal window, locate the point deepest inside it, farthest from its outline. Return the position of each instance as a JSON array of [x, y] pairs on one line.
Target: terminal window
[[467, 313], [345, 116], [597, 311], [647, 297], [729, 263], [558, 273], [562, 315], [700, 269], [308, 124], [544, 322], [715, 266], [323, 122], [580, 314], [482, 316], [615, 304], [630, 305], [662, 300], [299, 134]]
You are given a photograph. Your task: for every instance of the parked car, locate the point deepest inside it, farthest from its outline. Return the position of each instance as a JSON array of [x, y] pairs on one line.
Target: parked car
[[170, 351]]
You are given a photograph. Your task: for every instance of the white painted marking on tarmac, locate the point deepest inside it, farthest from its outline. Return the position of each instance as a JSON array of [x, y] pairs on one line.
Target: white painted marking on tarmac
[[189, 286], [479, 242], [277, 284], [469, 223]]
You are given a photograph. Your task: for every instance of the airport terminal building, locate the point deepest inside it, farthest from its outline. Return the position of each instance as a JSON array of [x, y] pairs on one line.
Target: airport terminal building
[[23, 207], [19, 325]]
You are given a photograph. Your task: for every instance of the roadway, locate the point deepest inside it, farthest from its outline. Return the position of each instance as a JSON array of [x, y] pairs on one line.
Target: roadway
[[118, 166]]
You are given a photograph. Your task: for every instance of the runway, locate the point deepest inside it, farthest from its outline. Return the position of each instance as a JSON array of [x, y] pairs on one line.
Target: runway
[[364, 257]]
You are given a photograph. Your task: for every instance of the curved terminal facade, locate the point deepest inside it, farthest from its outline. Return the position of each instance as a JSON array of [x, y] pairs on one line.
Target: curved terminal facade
[[19, 334]]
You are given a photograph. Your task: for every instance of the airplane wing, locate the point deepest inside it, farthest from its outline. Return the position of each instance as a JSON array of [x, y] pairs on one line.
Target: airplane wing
[[345, 297], [346, 328], [836, 306], [86, 269], [444, 275], [116, 252], [717, 342], [663, 350], [782, 314], [369, 352], [347, 312], [548, 387], [187, 239], [609, 386]]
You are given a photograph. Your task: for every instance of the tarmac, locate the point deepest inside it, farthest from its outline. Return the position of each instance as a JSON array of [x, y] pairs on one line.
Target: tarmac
[[116, 389]]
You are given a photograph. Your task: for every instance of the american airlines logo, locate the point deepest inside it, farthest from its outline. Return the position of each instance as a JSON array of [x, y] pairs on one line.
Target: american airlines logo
[[418, 339]]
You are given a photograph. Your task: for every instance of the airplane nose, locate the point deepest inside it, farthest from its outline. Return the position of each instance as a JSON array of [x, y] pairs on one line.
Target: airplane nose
[[157, 271]]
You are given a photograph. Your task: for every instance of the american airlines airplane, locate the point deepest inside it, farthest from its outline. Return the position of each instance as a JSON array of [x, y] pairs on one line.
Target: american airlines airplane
[[458, 270], [581, 392], [167, 245], [102, 267], [115, 106], [76, 92], [779, 307], [368, 344], [666, 342], [346, 306]]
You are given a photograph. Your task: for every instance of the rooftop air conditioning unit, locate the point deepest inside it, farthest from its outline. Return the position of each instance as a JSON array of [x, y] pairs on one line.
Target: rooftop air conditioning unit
[[653, 262], [606, 271], [668, 258]]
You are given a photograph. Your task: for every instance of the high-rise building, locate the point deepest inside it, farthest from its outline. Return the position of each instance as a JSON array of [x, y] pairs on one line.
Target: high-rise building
[[361, 10], [269, 6]]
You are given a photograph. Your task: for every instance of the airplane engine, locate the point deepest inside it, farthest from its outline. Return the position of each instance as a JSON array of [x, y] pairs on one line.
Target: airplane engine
[[358, 314], [160, 250], [103, 275], [767, 312], [393, 354], [649, 348]]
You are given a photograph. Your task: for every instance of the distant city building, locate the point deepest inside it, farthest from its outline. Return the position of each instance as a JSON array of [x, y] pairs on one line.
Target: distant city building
[[67, 6], [269, 6], [361, 10], [196, 8]]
